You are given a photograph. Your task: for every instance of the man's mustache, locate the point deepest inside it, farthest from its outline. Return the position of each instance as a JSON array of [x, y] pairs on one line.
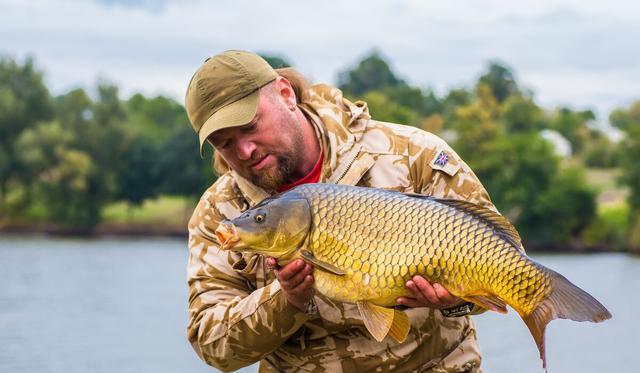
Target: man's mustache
[[255, 158]]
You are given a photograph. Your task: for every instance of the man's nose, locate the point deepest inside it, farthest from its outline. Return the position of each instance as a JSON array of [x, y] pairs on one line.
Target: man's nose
[[245, 148]]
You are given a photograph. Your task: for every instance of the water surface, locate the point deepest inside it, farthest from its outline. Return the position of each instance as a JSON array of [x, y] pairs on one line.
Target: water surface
[[115, 305]]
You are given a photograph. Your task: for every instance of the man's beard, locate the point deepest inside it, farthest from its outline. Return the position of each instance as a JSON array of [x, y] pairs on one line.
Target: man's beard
[[287, 160], [271, 179]]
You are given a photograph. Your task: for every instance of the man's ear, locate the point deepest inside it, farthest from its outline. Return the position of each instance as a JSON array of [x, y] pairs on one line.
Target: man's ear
[[285, 91]]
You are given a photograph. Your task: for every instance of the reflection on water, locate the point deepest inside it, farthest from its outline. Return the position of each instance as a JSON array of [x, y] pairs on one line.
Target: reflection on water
[[120, 306]]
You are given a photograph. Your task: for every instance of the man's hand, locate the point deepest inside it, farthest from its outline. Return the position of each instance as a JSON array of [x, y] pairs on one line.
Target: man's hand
[[427, 295], [296, 280]]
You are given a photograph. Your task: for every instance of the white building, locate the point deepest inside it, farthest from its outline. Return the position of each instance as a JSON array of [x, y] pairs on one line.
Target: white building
[[561, 145]]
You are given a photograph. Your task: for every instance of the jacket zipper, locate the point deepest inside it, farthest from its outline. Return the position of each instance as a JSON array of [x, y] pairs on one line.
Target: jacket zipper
[[346, 169]]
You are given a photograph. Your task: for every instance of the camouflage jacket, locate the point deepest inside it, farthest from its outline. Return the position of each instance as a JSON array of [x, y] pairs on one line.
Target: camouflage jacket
[[237, 313]]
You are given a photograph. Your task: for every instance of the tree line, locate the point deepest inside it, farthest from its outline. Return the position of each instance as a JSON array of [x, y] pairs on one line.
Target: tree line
[[64, 158]]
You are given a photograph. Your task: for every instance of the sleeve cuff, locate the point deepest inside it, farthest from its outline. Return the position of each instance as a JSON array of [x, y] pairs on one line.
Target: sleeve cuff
[[476, 310]]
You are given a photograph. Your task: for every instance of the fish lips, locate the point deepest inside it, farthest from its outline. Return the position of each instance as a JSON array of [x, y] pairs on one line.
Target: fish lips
[[227, 236]]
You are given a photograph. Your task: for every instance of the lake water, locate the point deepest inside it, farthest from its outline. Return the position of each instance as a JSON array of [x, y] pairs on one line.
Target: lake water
[[113, 305]]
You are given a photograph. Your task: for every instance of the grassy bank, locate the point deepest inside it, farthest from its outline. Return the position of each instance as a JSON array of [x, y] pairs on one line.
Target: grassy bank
[[162, 216], [164, 210]]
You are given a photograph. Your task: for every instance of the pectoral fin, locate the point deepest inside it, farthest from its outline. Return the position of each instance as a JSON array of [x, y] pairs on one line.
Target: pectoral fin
[[381, 321], [490, 302], [400, 327], [377, 319], [308, 255]]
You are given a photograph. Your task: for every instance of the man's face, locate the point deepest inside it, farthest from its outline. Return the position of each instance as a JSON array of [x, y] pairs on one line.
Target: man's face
[[267, 150]]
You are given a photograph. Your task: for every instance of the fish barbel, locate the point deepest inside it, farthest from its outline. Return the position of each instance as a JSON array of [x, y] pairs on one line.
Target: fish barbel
[[366, 243]]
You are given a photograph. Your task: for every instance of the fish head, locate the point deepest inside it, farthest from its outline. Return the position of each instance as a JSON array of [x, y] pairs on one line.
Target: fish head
[[275, 227]]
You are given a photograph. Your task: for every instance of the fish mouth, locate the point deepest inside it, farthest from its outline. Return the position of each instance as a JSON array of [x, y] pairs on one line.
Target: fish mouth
[[227, 235]]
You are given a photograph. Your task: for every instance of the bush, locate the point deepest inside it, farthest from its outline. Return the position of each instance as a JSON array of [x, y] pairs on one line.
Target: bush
[[602, 153], [561, 212], [608, 230]]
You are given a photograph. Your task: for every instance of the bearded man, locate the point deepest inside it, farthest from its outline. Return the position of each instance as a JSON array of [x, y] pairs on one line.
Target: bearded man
[[271, 131]]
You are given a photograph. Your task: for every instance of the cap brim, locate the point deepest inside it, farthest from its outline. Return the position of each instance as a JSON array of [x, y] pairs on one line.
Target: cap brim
[[235, 114]]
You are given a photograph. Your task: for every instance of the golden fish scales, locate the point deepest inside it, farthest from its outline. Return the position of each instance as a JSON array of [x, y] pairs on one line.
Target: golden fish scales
[[366, 243], [402, 237]]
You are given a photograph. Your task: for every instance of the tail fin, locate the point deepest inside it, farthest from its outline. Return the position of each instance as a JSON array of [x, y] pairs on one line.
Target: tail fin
[[566, 301]]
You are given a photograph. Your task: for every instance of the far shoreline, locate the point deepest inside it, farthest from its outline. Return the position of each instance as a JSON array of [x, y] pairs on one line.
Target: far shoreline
[[146, 230], [133, 230]]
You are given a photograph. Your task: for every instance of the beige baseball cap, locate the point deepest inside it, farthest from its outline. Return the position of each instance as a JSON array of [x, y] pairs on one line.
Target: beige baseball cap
[[224, 91]]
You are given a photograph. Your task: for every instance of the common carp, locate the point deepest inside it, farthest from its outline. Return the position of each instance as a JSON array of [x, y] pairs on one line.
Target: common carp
[[366, 243]]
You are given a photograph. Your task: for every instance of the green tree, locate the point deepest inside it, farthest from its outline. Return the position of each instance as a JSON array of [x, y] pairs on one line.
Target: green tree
[[372, 73], [521, 114], [559, 213], [138, 178], [276, 61], [383, 109], [501, 143], [515, 169], [24, 101], [415, 99], [74, 110], [182, 172], [154, 118], [452, 101], [573, 126], [500, 80], [100, 128], [601, 152], [476, 122], [628, 120], [60, 173]]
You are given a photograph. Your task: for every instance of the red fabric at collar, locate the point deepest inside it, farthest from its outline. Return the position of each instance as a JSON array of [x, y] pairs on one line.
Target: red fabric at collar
[[311, 177]]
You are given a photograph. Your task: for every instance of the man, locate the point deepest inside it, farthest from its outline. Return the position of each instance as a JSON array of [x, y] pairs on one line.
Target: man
[[272, 131]]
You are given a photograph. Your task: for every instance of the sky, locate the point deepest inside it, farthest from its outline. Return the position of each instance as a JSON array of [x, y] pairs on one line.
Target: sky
[[577, 53]]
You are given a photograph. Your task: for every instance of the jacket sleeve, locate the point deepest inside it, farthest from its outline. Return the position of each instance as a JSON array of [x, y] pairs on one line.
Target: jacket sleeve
[[231, 325]]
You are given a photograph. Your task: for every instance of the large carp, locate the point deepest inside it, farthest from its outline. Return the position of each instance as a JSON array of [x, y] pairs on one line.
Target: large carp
[[366, 243]]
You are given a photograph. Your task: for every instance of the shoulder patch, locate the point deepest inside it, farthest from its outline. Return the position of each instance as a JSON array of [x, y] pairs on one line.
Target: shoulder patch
[[445, 162], [441, 159]]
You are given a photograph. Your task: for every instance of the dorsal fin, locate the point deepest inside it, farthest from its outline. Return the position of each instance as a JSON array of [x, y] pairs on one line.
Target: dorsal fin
[[497, 221], [502, 226]]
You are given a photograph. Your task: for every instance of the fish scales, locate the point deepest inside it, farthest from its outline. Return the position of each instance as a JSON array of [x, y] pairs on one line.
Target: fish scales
[[396, 239], [367, 243], [388, 244]]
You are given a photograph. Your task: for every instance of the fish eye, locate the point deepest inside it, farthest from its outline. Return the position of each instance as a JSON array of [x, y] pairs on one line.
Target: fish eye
[[259, 218]]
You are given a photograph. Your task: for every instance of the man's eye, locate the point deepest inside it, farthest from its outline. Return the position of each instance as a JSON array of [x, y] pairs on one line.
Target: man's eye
[[223, 144], [251, 127]]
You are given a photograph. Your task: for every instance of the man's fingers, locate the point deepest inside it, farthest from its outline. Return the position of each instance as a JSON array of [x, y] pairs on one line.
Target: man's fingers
[[424, 294], [410, 302], [296, 279], [288, 271], [426, 289], [415, 292], [301, 294], [272, 263], [444, 295], [304, 286]]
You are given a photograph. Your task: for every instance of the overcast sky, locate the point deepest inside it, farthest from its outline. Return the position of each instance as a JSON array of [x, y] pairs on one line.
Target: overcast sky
[[583, 54]]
